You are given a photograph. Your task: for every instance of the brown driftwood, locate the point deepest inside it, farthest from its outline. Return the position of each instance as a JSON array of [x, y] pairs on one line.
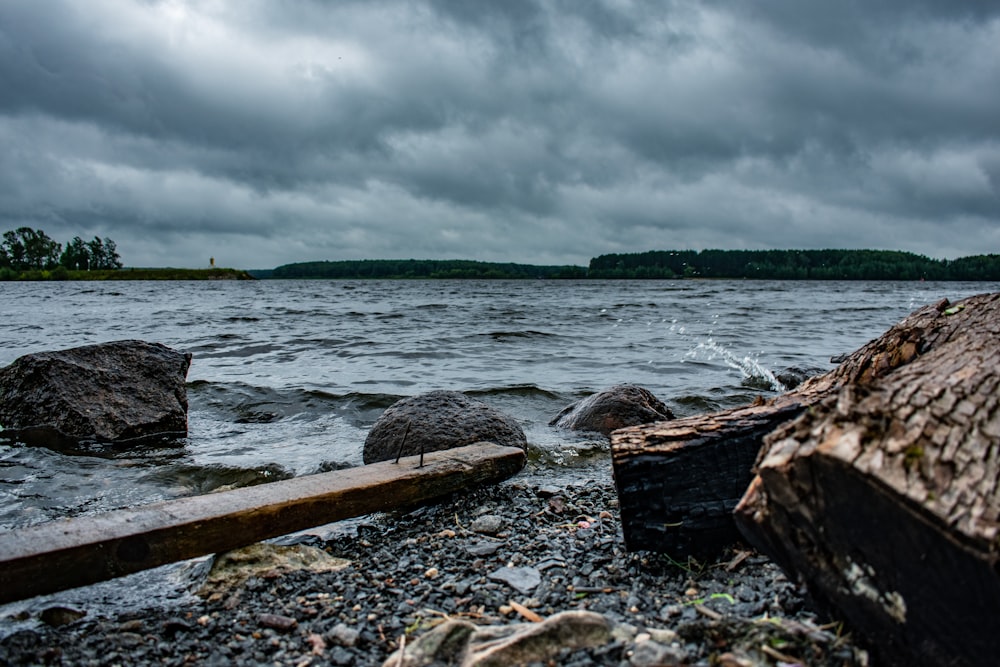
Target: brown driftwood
[[679, 481], [885, 499], [74, 552]]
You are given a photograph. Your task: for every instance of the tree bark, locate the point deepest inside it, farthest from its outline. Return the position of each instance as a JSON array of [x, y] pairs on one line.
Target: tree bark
[[884, 499], [679, 481]]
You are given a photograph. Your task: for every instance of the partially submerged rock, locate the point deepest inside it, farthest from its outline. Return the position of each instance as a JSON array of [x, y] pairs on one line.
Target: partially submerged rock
[[438, 420], [613, 408], [110, 392]]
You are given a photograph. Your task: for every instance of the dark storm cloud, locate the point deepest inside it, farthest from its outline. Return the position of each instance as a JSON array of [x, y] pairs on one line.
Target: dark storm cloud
[[548, 132]]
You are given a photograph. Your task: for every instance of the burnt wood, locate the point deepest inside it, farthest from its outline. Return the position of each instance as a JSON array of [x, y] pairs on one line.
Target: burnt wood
[[679, 481], [78, 551]]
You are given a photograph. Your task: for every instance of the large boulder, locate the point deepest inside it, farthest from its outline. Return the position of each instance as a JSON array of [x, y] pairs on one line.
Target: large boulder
[[438, 420], [111, 392], [614, 408]]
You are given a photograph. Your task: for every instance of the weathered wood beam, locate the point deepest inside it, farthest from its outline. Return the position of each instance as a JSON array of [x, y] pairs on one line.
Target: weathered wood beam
[[79, 551], [885, 499]]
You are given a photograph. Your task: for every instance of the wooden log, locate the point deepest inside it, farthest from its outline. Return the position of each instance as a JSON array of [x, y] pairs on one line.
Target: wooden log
[[679, 481], [74, 552], [885, 499]]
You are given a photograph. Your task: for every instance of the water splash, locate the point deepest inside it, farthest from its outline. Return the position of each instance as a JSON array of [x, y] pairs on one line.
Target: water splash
[[754, 373]]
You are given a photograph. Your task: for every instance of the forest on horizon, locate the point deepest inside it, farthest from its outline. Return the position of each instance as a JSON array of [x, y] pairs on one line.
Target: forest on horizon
[[669, 264]]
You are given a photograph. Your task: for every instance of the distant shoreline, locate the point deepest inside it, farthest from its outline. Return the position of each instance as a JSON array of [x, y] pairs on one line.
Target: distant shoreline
[[57, 275]]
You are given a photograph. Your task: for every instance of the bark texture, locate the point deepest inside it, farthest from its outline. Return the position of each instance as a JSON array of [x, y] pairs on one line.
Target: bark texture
[[679, 481], [884, 499]]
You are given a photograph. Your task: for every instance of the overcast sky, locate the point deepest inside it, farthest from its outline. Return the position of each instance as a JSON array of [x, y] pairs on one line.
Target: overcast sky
[[261, 132]]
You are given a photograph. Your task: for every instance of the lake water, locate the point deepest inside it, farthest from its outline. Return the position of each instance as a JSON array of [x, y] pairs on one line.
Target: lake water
[[288, 376]]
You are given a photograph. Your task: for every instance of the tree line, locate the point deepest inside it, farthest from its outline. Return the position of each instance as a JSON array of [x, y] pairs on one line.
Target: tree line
[[424, 268], [793, 265], [25, 250], [672, 264]]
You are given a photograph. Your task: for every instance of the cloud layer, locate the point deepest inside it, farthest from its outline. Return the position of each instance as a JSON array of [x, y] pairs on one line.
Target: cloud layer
[[263, 133]]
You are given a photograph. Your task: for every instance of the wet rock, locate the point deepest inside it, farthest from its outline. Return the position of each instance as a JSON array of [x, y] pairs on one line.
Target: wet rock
[[619, 406], [438, 420], [793, 376], [231, 569], [111, 392]]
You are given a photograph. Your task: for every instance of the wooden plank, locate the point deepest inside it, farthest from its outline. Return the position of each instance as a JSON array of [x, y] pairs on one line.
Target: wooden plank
[[75, 552]]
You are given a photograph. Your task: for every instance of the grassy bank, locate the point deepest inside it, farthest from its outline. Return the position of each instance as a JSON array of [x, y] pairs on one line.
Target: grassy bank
[[61, 273]]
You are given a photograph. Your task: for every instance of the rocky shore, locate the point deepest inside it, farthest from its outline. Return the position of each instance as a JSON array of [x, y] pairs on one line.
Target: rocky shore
[[536, 574]]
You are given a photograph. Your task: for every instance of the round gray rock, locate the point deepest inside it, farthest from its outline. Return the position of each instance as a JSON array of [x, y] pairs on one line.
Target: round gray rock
[[619, 406], [439, 420]]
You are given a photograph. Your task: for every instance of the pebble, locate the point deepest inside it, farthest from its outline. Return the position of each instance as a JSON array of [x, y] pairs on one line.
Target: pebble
[[488, 524], [522, 579]]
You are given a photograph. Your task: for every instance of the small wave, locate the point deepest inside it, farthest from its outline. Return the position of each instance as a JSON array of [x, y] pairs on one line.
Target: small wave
[[241, 352], [755, 375], [692, 404], [192, 479], [521, 390], [530, 333], [357, 400]]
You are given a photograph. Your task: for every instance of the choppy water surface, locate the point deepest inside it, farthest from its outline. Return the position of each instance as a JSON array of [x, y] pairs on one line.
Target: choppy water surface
[[287, 377]]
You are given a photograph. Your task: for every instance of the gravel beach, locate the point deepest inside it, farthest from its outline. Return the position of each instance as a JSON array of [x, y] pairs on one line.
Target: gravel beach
[[506, 557]]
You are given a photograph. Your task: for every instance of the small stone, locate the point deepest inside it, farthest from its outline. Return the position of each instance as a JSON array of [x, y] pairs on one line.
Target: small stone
[[483, 549], [58, 615], [662, 635], [343, 635], [488, 524], [431, 573], [447, 532], [522, 579], [653, 654], [277, 622]]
